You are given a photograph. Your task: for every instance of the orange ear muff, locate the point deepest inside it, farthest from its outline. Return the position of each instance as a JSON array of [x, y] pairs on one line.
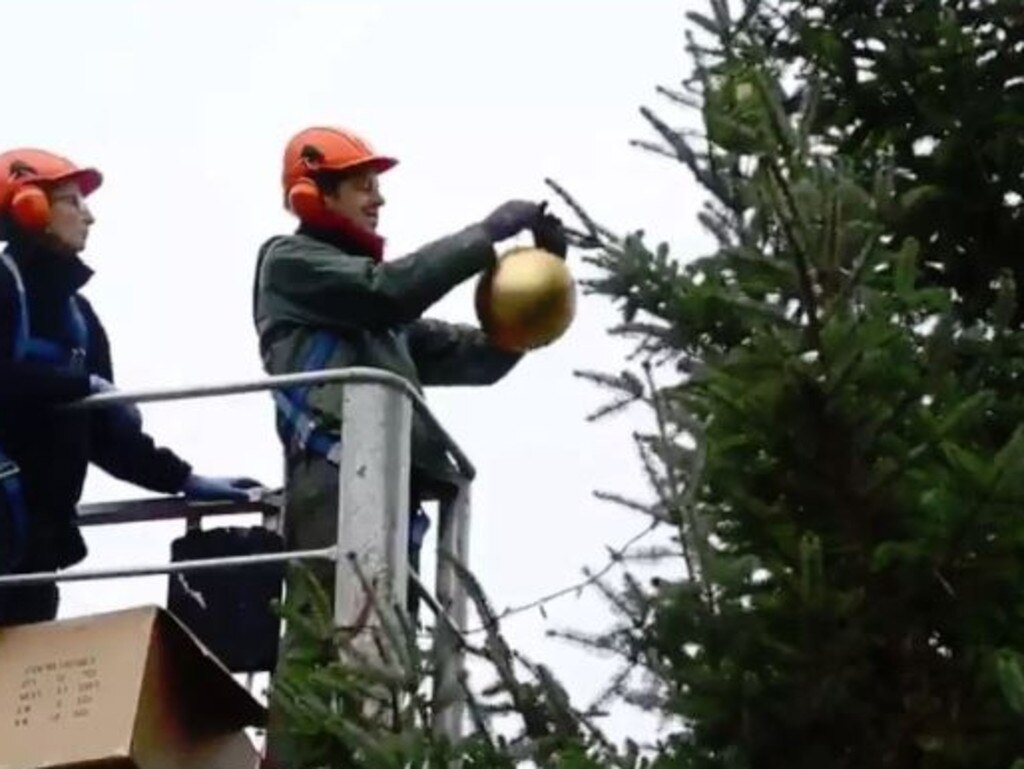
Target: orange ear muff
[[305, 202], [30, 208]]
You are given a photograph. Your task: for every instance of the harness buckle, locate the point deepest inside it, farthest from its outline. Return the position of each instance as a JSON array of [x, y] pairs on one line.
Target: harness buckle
[[304, 428]]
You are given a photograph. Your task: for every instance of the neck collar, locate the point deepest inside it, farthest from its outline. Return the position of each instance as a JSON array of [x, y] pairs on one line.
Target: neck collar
[[41, 263], [346, 235]]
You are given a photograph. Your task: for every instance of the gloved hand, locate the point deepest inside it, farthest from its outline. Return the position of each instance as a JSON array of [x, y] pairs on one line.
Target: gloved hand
[[201, 487], [98, 384], [549, 234], [510, 219], [128, 411]]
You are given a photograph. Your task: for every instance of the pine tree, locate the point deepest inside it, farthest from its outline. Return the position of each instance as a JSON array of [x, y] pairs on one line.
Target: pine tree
[[838, 443]]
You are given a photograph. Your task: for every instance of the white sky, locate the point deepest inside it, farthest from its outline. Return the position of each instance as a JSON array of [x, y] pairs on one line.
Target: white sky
[[185, 106]]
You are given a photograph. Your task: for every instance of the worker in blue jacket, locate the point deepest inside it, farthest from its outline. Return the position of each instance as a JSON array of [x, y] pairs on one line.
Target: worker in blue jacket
[[53, 350]]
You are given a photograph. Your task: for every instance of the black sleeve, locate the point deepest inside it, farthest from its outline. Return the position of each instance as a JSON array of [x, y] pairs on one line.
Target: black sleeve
[[456, 354], [26, 384], [118, 446]]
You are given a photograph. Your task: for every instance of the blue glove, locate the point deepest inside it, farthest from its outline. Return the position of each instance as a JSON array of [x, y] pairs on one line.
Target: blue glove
[[208, 489], [127, 411], [98, 384]]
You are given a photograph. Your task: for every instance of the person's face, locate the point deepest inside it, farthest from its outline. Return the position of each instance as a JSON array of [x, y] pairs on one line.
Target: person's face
[[70, 218], [358, 199]]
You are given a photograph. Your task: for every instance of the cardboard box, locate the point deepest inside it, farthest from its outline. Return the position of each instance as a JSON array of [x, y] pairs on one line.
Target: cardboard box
[[130, 689]]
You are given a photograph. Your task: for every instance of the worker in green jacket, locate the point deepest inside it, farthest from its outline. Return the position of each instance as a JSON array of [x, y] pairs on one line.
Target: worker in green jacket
[[325, 298]]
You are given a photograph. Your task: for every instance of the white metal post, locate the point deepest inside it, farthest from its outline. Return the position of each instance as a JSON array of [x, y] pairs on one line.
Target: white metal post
[[453, 541], [373, 500]]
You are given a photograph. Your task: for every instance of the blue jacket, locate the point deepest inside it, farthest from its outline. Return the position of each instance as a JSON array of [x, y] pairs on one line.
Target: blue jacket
[[53, 448]]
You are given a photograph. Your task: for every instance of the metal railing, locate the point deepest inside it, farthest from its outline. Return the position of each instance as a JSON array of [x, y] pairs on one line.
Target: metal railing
[[373, 513]]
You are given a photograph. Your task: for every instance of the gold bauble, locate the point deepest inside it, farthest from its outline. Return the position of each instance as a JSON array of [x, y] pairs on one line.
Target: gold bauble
[[527, 300]]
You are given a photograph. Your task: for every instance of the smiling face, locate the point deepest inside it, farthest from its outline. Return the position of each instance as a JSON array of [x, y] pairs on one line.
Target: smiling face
[[356, 196], [70, 218]]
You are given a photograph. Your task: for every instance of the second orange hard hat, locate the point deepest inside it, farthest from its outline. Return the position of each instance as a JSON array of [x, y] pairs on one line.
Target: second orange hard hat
[[323, 149]]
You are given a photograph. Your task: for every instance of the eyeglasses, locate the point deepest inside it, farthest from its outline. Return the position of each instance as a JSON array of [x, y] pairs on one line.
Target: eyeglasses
[[75, 201]]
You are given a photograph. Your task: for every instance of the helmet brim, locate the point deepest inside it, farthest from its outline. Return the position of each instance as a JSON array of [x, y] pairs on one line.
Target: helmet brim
[[378, 163], [87, 179]]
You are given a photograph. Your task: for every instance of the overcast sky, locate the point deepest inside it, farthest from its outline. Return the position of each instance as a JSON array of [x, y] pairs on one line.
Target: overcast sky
[[185, 106]]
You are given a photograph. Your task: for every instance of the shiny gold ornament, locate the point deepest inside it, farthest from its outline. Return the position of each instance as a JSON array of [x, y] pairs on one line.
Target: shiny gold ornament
[[527, 300]]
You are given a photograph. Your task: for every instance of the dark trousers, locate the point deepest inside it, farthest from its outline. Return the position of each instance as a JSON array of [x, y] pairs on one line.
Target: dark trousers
[[25, 604]]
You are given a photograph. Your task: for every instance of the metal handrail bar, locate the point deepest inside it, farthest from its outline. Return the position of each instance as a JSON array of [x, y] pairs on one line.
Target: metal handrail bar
[[153, 509], [352, 375], [77, 575]]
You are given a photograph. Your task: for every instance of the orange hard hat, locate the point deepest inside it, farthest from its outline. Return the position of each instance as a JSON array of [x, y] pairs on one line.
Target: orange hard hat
[[24, 176], [323, 149]]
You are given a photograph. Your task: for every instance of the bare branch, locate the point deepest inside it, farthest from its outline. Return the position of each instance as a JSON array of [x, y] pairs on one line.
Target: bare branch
[[616, 558], [598, 234]]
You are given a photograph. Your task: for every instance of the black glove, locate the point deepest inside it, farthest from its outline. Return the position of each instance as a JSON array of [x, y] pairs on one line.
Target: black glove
[[510, 219], [549, 234]]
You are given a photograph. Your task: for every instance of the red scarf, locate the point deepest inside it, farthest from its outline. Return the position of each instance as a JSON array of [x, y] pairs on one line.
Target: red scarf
[[345, 234]]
